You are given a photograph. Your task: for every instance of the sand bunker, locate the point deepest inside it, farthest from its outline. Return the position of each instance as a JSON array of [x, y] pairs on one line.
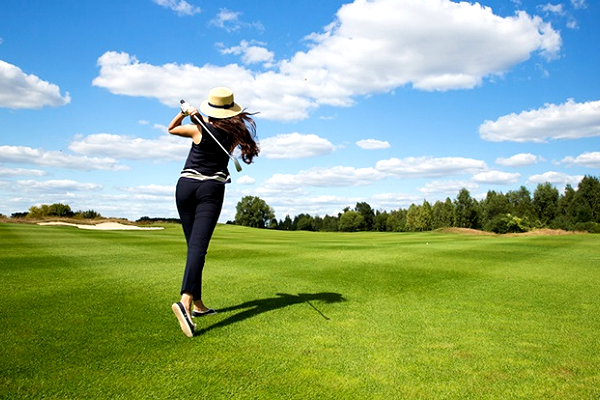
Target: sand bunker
[[105, 226]]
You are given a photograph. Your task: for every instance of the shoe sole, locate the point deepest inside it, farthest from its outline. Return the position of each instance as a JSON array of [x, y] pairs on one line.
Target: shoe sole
[[179, 312]]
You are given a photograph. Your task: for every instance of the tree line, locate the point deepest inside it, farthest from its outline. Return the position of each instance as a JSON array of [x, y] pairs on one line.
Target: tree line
[[511, 212], [55, 210]]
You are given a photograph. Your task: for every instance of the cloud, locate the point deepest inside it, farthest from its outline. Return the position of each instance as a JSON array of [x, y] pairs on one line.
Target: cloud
[[556, 178], [552, 8], [227, 19], [180, 7], [371, 47], [123, 74], [496, 177], [6, 172], [587, 159], [324, 177], [57, 159], [427, 167], [21, 91], [373, 144], [579, 4], [552, 122], [295, 145], [164, 148], [340, 176], [252, 53], [519, 160], [231, 22], [151, 190], [448, 188], [245, 180], [393, 201], [55, 186]]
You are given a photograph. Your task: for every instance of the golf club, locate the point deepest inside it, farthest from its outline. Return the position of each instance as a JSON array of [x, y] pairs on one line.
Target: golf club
[[184, 107]]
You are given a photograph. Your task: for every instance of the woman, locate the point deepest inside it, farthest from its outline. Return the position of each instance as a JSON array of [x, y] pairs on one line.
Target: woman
[[201, 186]]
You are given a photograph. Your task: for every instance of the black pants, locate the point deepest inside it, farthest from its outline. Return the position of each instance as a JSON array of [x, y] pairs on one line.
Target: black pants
[[199, 204]]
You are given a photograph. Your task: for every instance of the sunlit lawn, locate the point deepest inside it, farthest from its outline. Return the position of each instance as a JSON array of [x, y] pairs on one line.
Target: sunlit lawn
[[86, 314]]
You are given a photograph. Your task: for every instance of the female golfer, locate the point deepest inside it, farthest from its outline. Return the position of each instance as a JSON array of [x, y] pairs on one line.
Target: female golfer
[[201, 186]]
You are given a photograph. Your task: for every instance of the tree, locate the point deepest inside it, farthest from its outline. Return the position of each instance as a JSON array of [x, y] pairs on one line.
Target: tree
[[380, 221], [397, 221], [53, 210], [330, 224], [586, 202], [350, 221], [418, 218], [303, 222], [286, 224], [253, 212], [494, 208], [520, 203], [545, 203], [368, 215], [466, 213], [442, 214]]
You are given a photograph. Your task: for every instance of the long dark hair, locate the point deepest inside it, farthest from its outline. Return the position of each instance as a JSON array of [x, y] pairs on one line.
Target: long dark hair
[[243, 129]]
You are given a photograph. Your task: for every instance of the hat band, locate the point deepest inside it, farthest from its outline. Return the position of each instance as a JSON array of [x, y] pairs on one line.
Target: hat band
[[224, 106]]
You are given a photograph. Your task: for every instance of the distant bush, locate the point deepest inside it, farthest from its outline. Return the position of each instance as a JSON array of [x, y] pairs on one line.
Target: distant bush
[[507, 224], [19, 214], [146, 219], [89, 214]]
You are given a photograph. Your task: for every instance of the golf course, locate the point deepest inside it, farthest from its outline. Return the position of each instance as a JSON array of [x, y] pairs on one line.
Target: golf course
[[86, 314]]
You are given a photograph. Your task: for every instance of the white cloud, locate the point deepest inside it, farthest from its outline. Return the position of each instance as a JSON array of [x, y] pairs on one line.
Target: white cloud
[[393, 201], [252, 53], [324, 177], [180, 7], [447, 188], [295, 145], [519, 160], [245, 180], [227, 19], [371, 47], [552, 8], [28, 155], [427, 167], [496, 177], [556, 178], [565, 121], [123, 74], [153, 190], [373, 144], [55, 186], [579, 4], [231, 22], [164, 148], [6, 172], [587, 159], [20, 90]]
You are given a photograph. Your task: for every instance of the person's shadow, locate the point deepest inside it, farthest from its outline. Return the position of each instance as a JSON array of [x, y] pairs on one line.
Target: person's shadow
[[255, 307]]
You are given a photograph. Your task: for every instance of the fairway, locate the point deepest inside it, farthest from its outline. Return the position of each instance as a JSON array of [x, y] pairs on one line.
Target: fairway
[[302, 315]]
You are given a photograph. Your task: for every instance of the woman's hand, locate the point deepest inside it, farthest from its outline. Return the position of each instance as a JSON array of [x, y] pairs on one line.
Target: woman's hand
[[191, 111]]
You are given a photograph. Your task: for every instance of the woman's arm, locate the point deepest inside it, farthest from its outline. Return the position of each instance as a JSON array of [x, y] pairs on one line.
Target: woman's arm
[[192, 130]]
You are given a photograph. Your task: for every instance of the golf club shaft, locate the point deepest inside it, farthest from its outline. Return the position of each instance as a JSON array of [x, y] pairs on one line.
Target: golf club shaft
[[238, 167]]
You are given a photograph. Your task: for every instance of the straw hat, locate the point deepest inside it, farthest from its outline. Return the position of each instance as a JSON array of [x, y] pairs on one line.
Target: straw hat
[[220, 104]]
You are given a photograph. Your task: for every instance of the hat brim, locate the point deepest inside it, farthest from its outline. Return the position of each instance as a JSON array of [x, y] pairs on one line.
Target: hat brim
[[216, 112]]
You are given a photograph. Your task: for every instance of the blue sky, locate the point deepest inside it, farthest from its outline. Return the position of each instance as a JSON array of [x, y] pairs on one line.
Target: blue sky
[[389, 102]]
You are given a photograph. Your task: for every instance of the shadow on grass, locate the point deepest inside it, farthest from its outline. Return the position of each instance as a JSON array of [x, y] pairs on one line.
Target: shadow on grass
[[256, 307]]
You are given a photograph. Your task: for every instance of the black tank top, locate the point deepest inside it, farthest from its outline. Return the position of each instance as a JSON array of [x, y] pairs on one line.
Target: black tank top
[[207, 158]]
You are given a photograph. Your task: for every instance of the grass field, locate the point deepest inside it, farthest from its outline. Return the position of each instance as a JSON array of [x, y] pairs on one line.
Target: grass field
[[86, 314]]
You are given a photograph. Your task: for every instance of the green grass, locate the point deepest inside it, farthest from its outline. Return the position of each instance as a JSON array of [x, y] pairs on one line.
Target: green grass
[[86, 314]]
